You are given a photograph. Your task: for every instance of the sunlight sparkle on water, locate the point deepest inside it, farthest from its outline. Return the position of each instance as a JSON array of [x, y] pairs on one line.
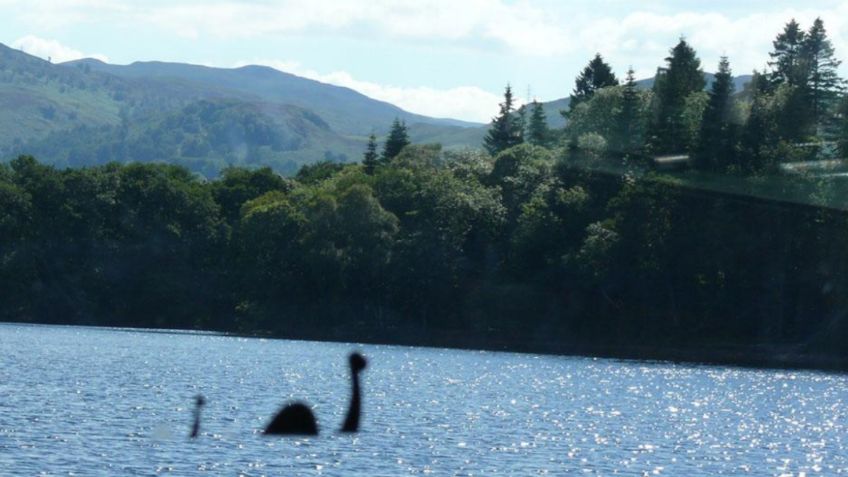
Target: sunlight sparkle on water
[[125, 408]]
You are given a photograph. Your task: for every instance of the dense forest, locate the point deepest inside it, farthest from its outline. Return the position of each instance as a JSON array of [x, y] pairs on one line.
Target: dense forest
[[563, 240]]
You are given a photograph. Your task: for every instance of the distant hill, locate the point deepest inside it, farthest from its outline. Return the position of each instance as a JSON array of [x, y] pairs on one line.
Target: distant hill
[[205, 136], [344, 109], [89, 112]]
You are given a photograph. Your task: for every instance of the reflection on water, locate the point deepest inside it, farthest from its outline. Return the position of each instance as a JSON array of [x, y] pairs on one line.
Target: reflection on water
[[97, 401]]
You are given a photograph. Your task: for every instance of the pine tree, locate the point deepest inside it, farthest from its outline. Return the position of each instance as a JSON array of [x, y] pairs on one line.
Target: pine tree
[[786, 59], [538, 133], [717, 139], [757, 130], [370, 159], [822, 82], [628, 137], [682, 77], [794, 120], [397, 140], [596, 75], [506, 130]]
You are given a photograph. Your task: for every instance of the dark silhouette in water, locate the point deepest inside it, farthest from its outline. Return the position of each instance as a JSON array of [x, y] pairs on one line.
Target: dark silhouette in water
[[199, 402], [357, 364], [294, 419], [298, 419]]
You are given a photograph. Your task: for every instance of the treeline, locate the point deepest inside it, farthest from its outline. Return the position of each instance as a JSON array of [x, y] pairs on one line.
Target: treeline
[[527, 250], [530, 246], [794, 111]]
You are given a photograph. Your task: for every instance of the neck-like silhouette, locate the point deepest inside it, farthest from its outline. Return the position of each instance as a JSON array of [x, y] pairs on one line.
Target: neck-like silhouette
[[351, 422], [298, 419], [198, 403]]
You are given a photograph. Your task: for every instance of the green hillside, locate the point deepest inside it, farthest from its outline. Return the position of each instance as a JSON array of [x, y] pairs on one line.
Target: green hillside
[[87, 112], [205, 136], [346, 110]]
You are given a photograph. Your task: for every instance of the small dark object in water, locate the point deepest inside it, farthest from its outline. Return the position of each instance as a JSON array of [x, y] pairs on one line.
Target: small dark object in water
[[199, 402]]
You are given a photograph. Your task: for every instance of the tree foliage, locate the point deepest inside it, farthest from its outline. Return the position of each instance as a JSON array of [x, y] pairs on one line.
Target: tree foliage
[[397, 139], [538, 132], [596, 75], [716, 146], [525, 246], [822, 78], [787, 60], [506, 129], [370, 159], [617, 115], [673, 85]]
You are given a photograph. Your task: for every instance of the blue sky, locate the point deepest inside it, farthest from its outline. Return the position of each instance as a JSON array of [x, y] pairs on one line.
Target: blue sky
[[447, 58]]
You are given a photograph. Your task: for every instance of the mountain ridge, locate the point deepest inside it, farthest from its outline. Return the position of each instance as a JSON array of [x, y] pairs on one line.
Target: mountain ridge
[[274, 85], [87, 112]]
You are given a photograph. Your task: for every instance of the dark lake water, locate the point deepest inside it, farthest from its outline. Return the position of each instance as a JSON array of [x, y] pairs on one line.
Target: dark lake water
[[87, 401]]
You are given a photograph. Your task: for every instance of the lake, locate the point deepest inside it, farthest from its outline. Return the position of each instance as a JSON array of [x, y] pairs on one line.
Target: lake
[[97, 401]]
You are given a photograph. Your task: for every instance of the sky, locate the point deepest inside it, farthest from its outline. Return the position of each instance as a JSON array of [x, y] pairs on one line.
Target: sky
[[442, 58]]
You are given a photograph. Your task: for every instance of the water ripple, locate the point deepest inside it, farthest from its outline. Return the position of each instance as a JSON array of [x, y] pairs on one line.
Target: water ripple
[[82, 401]]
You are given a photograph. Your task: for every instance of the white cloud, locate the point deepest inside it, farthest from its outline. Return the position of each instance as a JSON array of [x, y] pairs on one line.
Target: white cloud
[[468, 103], [634, 32], [643, 39], [517, 26], [51, 50], [52, 14], [556, 36]]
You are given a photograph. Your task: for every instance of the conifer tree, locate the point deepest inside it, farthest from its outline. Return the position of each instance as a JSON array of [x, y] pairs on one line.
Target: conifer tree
[[717, 139], [506, 130], [682, 77], [786, 59], [397, 140], [370, 158], [822, 81], [596, 75], [628, 137], [538, 133], [757, 130], [789, 71]]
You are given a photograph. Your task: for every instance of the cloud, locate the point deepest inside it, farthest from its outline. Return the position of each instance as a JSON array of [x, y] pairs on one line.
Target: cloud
[[430, 19], [468, 103], [51, 50], [516, 26], [520, 38], [643, 39], [54, 14], [633, 31]]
